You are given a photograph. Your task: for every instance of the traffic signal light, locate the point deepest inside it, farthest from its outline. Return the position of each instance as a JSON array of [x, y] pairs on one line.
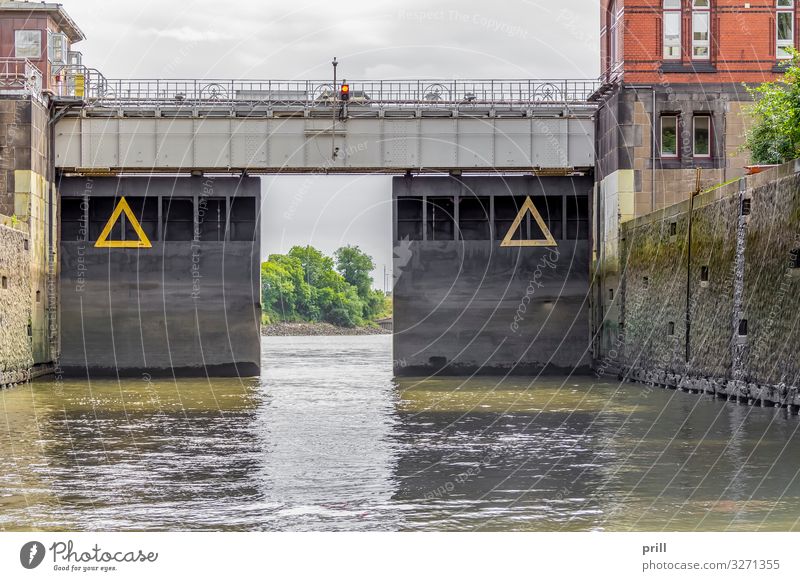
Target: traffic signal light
[[344, 94]]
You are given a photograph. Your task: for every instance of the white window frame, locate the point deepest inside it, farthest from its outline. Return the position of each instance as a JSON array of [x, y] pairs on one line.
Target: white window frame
[[672, 9], [784, 7], [615, 35], [677, 136], [31, 56], [707, 118], [701, 12], [54, 38]]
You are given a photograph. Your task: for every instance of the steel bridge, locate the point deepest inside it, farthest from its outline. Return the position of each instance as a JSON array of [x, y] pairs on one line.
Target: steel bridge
[[388, 126]]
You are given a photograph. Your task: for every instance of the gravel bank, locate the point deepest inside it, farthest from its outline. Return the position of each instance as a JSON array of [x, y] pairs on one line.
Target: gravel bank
[[305, 329]]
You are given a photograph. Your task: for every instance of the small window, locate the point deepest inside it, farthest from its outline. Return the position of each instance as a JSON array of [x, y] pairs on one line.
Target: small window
[[702, 136], [703, 274], [551, 209], [784, 23], [616, 25], [145, 210], [611, 294], [701, 30], [669, 136], [28, 44], [742, 327], [746, 206], [4, 282], [177, 217], [409, 218], [670, 328], [506, 209], [243, 219], [25, 244], [672, 29], [100, 210], [441, 218], [646, 282], [473, 218], [38, 296], [211, 219], [795, 258], [577, 217], [57, 48], [673, 228]]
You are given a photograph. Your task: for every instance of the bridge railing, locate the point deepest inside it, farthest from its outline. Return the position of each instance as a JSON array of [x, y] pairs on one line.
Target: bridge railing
[[20, 76], [430, 93]]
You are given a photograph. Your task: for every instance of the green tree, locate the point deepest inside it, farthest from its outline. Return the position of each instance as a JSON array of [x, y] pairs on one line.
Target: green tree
[[314, 263], [285, 295], [340, 307], [277, 291], [775, 135], [356, 267]]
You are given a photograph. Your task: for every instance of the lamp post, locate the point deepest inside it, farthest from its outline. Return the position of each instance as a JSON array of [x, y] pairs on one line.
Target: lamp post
[[335, 63]]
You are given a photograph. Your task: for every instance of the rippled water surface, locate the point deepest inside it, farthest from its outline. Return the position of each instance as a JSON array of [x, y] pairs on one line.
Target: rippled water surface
[[327, 440]]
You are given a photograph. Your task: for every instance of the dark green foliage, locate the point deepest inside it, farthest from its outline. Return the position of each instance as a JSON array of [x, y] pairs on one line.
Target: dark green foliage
[[303, 286], [355, 266]]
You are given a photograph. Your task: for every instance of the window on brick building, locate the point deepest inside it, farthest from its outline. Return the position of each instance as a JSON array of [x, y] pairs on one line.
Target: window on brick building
[[615, 35], [672, 29], [669, 136], [701, 29], [28, 44], [784, 22], [701, 138]]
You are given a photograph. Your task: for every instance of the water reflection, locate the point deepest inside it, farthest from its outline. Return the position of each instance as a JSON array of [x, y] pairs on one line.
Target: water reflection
[[326, 440]]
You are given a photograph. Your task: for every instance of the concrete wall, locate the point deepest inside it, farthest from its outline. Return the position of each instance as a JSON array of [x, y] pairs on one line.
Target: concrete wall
[[16, 357], [26, 192], [472, 306], [741, 267], [180, 307]]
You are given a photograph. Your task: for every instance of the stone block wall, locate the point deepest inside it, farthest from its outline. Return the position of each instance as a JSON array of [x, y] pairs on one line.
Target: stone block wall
[[16, 357], [738, 273]]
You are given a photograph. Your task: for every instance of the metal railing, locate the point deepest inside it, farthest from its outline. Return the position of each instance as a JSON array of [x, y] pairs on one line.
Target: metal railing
[[20, 76], [79, 81], [305, 94]]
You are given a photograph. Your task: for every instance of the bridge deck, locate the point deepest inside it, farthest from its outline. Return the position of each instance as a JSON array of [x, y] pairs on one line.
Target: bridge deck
[[288, 126]]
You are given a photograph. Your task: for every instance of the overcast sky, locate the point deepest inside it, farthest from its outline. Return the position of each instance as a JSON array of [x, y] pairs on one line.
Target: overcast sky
[[375, 39]]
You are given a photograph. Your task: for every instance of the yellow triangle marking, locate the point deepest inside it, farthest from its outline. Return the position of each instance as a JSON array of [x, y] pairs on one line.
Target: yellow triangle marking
[[142, 242], [548, 239]]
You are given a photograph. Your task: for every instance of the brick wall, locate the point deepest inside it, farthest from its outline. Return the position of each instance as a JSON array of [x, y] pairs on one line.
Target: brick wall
[[742, 43]]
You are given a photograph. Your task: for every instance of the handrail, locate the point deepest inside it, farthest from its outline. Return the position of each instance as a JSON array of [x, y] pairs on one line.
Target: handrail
[[514, 93], [20, 76]]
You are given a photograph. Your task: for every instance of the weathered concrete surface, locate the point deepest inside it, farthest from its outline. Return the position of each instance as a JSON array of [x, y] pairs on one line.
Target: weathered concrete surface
[[751, 266], [16, 357], [26, 192], [181, 307], [473, 307]]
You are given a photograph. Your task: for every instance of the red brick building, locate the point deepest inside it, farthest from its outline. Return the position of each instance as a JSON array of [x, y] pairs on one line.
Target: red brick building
[[697, 41]]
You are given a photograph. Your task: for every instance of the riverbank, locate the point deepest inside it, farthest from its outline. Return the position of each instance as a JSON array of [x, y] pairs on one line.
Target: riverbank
[[317, 329]]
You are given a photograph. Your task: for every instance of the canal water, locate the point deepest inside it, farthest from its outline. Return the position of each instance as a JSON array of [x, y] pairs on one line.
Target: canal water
[[327, 440]]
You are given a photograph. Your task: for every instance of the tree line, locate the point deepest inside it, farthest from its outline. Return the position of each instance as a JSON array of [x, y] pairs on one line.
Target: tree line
[[306, 285]]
